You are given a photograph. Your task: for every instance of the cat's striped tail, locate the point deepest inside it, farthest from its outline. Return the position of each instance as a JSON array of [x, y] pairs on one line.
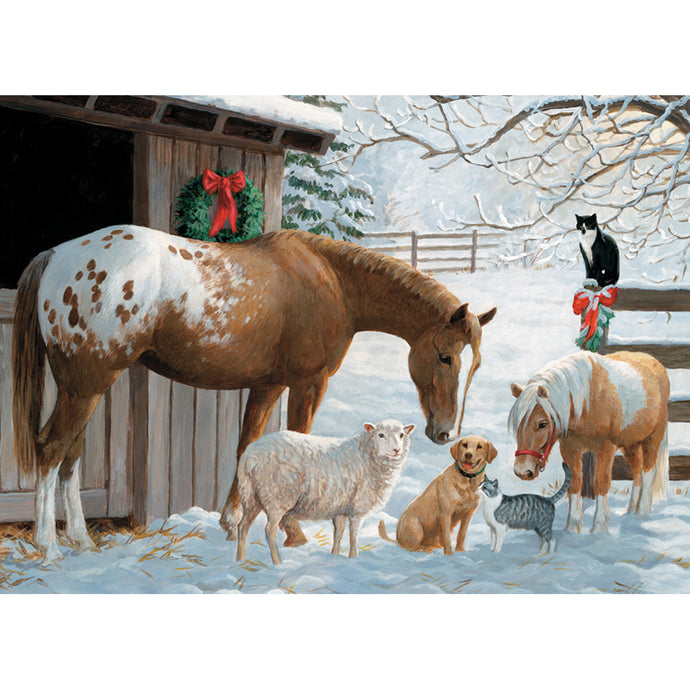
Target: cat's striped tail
[[566, 483]]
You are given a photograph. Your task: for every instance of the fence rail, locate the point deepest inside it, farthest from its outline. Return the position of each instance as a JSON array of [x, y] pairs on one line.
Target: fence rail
[[423, 251]]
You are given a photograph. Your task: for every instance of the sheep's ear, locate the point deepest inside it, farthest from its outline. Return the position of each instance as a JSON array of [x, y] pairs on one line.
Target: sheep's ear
[[369, 428], [516, 390], [409, 429], [542, 392]]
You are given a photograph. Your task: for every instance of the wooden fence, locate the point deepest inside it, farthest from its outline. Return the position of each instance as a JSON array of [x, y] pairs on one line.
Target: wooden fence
[[458, 251], [671, 355]]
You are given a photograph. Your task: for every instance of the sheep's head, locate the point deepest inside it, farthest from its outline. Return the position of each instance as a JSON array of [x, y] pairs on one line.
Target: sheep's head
[[390, 437]]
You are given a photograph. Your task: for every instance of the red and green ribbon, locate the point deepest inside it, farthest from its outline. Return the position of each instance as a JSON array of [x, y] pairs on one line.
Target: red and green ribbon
[[596, 307]]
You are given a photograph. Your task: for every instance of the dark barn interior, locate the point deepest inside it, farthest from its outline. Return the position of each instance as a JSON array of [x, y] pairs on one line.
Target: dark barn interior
[[60, 179]]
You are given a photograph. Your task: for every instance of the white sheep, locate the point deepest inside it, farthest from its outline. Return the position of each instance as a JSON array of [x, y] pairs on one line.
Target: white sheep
[[316, 478]]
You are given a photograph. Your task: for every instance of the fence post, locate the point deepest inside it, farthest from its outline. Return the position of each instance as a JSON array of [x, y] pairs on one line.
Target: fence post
[[473, 265], [588, 466], [413, 258]]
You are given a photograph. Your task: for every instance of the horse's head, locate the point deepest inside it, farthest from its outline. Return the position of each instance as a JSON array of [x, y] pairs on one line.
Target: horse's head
[[435, 367], [535, 432]]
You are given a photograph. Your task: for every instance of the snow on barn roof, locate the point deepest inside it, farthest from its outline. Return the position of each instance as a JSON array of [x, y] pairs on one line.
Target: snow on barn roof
[[260, 123], [278, 109]]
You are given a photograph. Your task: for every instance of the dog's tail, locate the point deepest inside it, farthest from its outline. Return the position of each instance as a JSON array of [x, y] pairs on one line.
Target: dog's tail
[[564, 487], [382, 532]]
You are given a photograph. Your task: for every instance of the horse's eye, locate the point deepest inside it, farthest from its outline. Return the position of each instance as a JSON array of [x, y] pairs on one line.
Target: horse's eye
[[543, 425], [446, 359]]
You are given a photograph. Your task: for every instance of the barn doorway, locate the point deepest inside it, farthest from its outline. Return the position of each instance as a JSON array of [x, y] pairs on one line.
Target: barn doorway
[[60, 179]]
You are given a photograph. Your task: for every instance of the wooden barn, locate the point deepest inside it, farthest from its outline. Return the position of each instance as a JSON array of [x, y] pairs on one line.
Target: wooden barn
[[73, 164]]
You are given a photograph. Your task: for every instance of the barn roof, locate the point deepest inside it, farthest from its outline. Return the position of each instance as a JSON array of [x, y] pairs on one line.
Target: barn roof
[[265, 123]]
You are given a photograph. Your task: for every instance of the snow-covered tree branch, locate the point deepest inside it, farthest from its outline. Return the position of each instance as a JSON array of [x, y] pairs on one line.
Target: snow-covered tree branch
[[622, 157]]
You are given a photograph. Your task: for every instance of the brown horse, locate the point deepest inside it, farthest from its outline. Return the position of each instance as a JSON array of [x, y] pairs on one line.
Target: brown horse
[[276, 311], [590, 402]]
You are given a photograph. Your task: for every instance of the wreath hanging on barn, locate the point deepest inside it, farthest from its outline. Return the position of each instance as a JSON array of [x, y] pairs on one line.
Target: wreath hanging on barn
[[240, 202]]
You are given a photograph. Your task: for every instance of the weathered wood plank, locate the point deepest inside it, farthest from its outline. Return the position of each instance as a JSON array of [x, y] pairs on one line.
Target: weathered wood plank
[[679, 411], [160, 184], [120, 440], [207, 157], [273, 192], [139, 396], [7, 305], [158, 473], [19, 506], [94, 453], [181, 447], [228, 438], [184, 167], [9, 472], [678, 467], [231, 158], [205, 435], [652, 299], [671, 355]]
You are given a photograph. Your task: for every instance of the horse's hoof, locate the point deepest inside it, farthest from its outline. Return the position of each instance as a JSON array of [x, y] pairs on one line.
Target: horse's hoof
[[295, 541], [51, 554], [81, 543], [574, 528]]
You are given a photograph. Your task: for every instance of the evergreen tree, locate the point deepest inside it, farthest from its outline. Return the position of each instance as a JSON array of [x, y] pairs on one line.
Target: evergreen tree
[[320, 198]]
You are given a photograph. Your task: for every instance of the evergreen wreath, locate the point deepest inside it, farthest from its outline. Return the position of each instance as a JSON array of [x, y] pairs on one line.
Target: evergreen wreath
[[194, 202]]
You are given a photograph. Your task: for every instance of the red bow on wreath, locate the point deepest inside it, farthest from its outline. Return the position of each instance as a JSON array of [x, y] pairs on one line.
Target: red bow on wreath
[[225, 186], [588, 301]]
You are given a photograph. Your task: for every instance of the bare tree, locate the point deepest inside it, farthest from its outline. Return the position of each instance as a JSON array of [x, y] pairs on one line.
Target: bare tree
[[623, 157]]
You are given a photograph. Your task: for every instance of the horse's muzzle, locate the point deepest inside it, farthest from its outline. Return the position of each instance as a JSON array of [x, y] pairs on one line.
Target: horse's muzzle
[[437, 434], [525, 469]]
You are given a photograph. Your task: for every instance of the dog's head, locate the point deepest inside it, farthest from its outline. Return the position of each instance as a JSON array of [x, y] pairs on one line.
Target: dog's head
[[471, 452]]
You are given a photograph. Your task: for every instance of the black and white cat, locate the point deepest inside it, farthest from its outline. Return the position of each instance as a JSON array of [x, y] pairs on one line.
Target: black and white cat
[[522, 511], [599, 251]]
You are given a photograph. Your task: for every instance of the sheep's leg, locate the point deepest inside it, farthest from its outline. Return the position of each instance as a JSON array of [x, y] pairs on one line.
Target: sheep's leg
[[271, 532], [338, 529], [249, 514], [354, 528]]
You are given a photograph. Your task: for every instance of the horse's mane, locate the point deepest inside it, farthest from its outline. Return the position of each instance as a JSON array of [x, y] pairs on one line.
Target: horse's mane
[[360, 258], [567, 381]]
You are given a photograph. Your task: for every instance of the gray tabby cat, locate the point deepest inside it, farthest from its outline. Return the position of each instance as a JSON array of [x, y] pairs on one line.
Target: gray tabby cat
[[523, 511]]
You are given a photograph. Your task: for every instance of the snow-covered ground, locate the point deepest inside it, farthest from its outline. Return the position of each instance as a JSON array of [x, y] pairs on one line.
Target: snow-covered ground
[[534, 324]]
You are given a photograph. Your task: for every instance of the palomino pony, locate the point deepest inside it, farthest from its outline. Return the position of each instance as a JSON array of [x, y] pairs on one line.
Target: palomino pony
[[590, 402], [276, 311]]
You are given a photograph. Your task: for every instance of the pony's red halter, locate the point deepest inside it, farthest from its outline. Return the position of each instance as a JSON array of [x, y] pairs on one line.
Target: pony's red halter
[[543, 457]]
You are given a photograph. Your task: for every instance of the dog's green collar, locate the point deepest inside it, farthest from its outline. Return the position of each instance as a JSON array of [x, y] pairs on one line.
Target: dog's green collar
[[467, 474]]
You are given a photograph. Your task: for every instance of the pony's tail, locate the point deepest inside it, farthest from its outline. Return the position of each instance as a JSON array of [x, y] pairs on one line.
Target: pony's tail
[[564, 487], [28, 363], [660, 477], [382, 532]]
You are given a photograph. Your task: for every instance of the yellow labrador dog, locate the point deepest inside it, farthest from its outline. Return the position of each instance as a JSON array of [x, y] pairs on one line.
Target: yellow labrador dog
[[451, 498]]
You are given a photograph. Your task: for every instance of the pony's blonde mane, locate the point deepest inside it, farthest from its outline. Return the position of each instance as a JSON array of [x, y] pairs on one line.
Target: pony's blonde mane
[[567, 381], [410, 279]]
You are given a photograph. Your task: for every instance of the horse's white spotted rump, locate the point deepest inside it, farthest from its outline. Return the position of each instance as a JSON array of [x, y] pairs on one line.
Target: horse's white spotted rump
[[122, 277], [629, 386]]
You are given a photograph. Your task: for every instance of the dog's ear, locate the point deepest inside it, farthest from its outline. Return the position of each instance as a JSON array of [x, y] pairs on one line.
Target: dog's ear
[[492, 452], [455, 449]]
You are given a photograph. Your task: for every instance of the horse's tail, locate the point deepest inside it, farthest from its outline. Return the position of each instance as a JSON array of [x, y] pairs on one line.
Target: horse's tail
[[382, 532], [660, 476], [564, 487], [28, 362]]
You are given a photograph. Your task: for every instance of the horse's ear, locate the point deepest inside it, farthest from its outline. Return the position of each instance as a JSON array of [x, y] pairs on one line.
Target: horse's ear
[[369, 428], [542, 392], [460, 314], [516, 390], [486, 316]]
